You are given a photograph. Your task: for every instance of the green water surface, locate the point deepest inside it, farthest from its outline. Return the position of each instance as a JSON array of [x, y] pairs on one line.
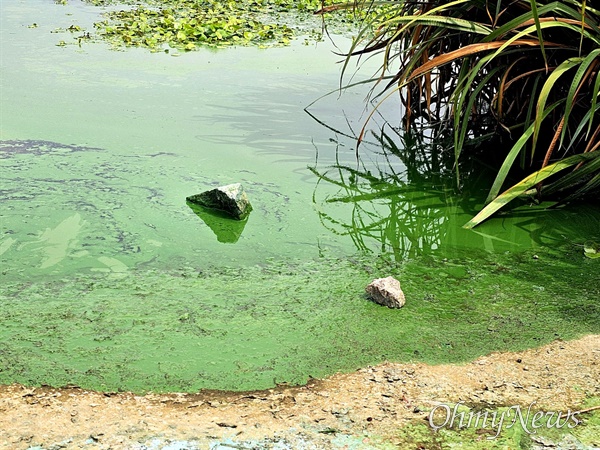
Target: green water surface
[[109, 280]]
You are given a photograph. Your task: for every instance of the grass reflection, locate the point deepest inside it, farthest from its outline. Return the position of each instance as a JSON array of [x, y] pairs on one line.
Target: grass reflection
[[399, 199], [400, 204]]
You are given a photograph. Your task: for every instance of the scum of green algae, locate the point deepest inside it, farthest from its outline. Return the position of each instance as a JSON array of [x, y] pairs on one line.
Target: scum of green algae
[[101, 257], [249, 328], [74, 209], [90, 296], [71, 209]]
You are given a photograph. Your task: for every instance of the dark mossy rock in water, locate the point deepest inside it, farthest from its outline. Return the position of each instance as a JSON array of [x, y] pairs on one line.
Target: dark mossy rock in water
[[231, 199]]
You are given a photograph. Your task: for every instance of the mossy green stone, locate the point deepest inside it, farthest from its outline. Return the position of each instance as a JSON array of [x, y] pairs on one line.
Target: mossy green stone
[[231, 198]]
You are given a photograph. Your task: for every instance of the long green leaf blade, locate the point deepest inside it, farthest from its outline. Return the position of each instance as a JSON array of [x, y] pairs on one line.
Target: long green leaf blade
[[447, 22], [536, 18], [512, 155], [545, 92], [526, 184], [595, 94], [583, 67]]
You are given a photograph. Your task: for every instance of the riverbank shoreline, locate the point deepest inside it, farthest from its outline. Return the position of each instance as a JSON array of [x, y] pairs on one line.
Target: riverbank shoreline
[[384, 406]]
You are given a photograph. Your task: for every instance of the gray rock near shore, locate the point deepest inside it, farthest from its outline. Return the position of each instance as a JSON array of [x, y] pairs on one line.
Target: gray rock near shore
[[231, 198], [386, 292]]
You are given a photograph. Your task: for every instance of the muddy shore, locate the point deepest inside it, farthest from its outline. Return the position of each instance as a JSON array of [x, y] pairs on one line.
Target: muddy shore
[[385, 406]]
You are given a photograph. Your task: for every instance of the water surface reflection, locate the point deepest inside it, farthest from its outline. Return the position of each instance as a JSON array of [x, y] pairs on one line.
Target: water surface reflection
[[398, 199]]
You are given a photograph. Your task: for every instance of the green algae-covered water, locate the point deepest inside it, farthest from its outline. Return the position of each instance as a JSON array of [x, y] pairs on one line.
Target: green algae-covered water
[[110, 281]]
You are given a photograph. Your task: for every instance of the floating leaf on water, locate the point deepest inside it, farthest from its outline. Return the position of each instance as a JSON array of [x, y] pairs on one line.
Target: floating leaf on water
[[591, 249]]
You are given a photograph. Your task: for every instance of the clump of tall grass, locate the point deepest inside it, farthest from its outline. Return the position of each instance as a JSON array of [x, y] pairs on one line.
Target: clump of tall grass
[[524, 72]]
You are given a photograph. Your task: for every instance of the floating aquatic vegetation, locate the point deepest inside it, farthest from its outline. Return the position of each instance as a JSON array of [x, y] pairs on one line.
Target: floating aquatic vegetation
[[188, 24], [591, 249]]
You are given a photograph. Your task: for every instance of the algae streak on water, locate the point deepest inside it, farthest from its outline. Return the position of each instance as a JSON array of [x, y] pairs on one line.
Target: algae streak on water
[[110, 281]]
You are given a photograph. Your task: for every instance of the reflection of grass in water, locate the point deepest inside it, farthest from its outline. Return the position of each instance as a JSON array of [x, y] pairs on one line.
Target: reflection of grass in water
[[403, 205], [403, 220], [246, 328]]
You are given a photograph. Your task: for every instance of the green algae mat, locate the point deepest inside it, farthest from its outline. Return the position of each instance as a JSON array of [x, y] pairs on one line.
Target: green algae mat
[[251, 328], [110, 281]]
